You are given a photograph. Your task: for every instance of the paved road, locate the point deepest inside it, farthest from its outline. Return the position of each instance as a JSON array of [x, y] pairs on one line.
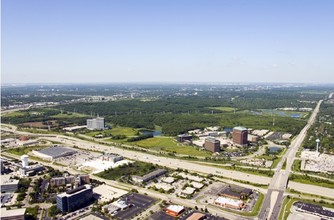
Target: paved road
[[163, 161], [270, 209]]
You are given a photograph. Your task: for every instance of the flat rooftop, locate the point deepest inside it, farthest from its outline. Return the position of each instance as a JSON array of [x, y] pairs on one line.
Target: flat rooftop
[[12, 212], [57, 151]]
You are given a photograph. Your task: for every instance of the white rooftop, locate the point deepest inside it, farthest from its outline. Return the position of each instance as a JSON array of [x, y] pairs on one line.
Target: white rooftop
[[175, 208], [12, 212], [224, 200]]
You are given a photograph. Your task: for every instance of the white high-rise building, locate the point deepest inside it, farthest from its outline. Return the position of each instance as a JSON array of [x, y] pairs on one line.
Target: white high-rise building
[[95, 123], [25, 162]]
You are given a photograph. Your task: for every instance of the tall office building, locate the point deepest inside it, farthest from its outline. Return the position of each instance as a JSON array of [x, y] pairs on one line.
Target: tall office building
[[74, 199], [212, 144], [95, 123], [240, 136]]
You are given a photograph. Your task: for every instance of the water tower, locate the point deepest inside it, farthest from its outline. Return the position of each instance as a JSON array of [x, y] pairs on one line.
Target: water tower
[[318, 141], [24, 159]]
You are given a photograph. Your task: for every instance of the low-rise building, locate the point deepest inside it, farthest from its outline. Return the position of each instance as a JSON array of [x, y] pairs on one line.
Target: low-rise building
[[184, 137], [111, 157], [13, 214], [174, 210], [314, 209], [149, 176], [229, 203], [8, 184]]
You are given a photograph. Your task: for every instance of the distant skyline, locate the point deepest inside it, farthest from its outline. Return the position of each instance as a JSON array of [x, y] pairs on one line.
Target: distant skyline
[[80, 41]]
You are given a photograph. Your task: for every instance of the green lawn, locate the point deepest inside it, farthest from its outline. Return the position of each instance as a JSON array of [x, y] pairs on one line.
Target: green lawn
[[70, 115], [311, 180], [224, 109], [129, 132], [24, 150], [169, 144], [14, 114], [137, 168]]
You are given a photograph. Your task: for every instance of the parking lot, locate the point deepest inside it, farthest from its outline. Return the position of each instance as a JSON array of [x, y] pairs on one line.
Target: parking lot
[[138, 203]]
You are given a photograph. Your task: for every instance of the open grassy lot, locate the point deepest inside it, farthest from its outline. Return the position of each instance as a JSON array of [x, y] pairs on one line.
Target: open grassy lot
[[168, 144], [70, 115], [311, 180], [137, 168], [129, 132], [224, 109], [24, 150], [14, 114]]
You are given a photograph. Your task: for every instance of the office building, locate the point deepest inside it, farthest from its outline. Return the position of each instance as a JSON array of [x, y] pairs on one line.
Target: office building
[[7, 184], [74, 199], [95, 124], [212, 144], [240, 135]]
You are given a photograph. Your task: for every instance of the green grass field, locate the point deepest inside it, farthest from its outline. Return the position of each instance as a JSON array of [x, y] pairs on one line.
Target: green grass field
[[168, 144], [137, 168], [14, 114], [24, 150], [129, 132], [70, 115], [224, 109]]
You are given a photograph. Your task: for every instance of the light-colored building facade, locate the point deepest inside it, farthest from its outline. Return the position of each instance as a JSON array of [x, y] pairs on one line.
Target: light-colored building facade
[[95, 123]]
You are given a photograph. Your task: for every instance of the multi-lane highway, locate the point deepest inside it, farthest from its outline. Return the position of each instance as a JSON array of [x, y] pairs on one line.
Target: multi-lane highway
[[273, 200]]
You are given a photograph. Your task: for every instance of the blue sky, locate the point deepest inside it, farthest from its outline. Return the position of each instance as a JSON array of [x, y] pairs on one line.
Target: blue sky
[[74, 41]]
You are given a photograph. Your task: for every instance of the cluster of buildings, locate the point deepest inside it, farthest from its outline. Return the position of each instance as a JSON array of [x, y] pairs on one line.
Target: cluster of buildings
[[212, 143], [70, 180]]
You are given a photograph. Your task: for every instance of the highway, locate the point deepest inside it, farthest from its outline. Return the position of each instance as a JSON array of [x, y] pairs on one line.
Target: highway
[[274, 197]]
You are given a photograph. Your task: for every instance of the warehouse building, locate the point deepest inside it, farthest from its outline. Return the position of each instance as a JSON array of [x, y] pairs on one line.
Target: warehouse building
[[149, 176], [54, 152]]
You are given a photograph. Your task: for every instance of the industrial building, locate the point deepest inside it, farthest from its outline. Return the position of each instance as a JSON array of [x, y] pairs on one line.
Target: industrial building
[[7, 184], [13, 214], [74, 199], [184, 137], [240, 135], [111, 157], [54, 152], [149, 176], [95, 124], [212, 144]]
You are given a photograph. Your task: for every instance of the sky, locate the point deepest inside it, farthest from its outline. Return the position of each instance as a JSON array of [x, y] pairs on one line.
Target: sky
[[106, 41]]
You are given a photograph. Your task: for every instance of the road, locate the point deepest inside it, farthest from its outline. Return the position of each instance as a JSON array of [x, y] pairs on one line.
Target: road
[[141, 156], [273, 200], [152, 193]]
